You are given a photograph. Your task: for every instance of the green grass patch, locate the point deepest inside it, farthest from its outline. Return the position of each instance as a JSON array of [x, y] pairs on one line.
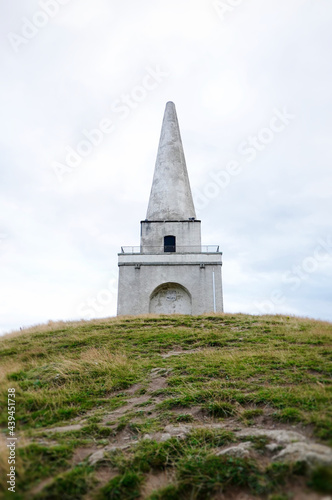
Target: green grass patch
[[288, 415], [170, 492], [150, 454], [221, 409], [203, 475], [321, 479], [251, 414], [184, 418], [40, 461], [70, 485], [122, 487], [209, 438]]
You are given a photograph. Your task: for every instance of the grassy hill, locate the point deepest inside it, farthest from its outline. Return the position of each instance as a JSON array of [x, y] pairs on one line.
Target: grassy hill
[[170, 407]]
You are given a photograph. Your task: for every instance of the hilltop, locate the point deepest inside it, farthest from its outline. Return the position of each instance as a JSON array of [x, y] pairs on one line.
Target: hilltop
[[170, 407]]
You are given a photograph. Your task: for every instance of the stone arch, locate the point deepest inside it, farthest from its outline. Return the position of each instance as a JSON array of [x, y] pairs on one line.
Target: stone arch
[[170, 298]]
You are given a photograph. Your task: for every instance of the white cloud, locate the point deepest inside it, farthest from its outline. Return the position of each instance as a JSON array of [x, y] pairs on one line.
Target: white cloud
[[226, 77]]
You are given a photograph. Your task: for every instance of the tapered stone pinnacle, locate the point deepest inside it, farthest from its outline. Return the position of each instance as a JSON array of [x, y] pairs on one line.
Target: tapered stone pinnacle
[[170, 197]]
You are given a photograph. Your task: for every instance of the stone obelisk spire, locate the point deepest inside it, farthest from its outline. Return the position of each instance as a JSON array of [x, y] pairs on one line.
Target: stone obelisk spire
[[170, 197], [170, 272]]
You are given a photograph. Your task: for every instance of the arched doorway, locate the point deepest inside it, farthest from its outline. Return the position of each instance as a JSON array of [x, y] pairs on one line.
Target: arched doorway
[[170, 298]]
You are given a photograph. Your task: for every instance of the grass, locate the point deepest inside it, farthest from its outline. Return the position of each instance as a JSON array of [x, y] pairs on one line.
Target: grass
[[56, 389], [125, 486], [240, 369], [72, 484], [202, 475], [40, 461], [198, 471], [321, 479]]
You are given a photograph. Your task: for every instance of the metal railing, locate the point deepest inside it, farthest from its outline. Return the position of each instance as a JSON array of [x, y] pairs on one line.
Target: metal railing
[[179, 249]]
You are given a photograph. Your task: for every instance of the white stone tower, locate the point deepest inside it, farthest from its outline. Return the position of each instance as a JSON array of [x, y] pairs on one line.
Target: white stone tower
[[170, 273]]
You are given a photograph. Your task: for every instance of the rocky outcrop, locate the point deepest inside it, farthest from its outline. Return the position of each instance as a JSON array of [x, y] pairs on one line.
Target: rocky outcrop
[[280, 436], [241, 450], [284, 446], [311, 453]]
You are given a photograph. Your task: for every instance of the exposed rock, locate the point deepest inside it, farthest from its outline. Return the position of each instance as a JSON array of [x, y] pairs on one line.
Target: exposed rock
[[67, 428], [179, 353], [272, 447], [179, 431], [165, 436], [100, 454], [43, 442], [311, 453], [147, 437], [280, 436], [96, 457], [241, 450]]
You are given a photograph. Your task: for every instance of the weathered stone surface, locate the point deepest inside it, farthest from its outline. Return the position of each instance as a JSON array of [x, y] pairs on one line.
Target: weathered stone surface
[[180, 353], [170, 298], [287, 446], [66, 428], [180, 431], [170, 197], [241, 450], [100, 454], [191, 273], [272, 447], [165, 436], [186, 278], [296, 447], [311, 453], [96, 457], [280, 436]]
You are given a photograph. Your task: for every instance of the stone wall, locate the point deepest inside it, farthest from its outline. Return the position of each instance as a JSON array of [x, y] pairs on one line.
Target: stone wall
[[141, 275], [187, 234]]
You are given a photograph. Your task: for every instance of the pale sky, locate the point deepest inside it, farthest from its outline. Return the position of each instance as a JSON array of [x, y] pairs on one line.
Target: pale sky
[[252, 83]]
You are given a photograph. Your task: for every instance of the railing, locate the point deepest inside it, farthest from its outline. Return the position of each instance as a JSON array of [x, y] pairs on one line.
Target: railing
[[179, 249]]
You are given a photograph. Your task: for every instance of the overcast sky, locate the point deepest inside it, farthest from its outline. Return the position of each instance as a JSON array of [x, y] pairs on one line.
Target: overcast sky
[[83, 90]]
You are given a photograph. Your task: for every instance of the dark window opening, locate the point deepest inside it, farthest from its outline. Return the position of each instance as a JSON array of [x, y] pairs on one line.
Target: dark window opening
[[169, 244]]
